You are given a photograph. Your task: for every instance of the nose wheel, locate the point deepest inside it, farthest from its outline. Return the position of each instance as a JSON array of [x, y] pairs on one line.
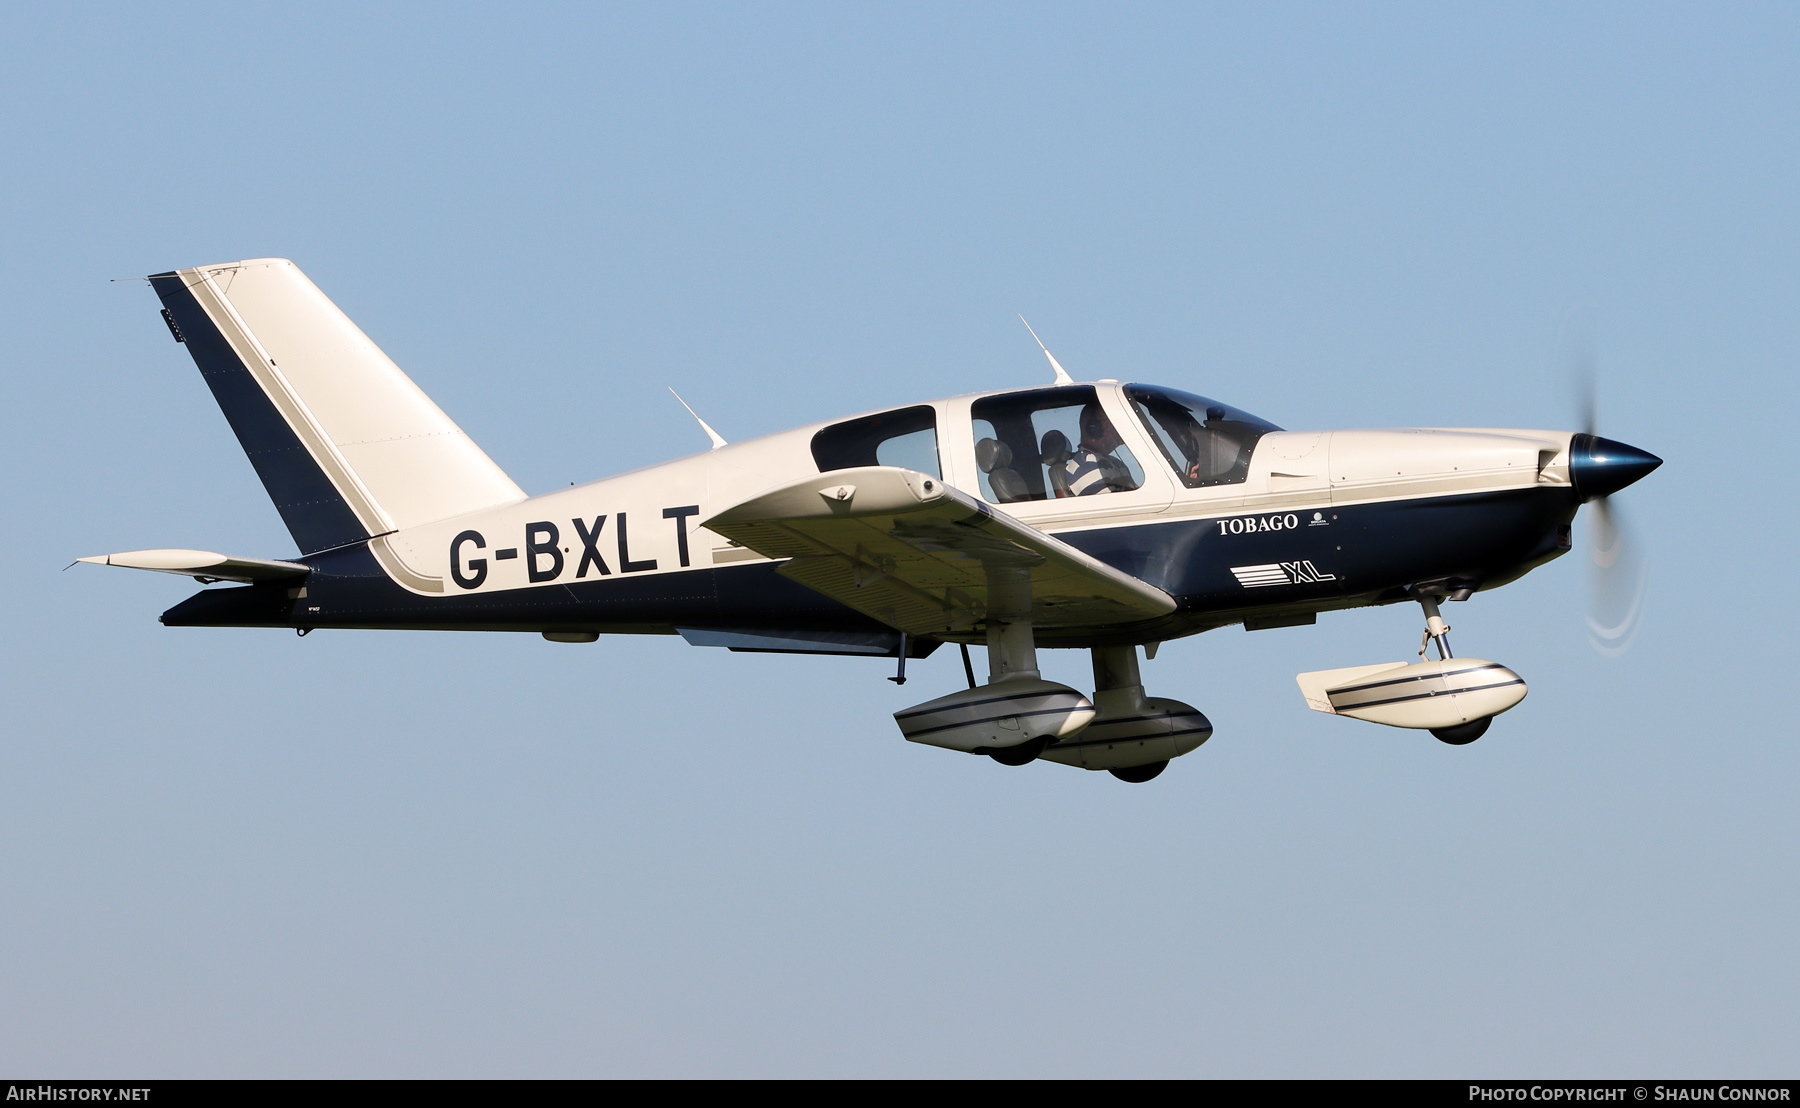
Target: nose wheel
[[1463, 733]]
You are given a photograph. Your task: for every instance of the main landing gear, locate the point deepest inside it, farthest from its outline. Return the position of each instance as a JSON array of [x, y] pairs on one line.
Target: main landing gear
[[1018, 717], [1132, 736]]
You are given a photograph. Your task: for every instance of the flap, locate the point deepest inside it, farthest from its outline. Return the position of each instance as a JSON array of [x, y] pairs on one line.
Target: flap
[[912, 552], [880, 643], [205, 565]]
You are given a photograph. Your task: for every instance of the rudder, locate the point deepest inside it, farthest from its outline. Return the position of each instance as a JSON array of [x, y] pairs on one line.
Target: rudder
[[346, 444]]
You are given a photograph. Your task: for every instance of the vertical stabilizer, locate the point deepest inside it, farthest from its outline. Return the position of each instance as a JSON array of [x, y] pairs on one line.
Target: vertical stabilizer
[[347, 446]]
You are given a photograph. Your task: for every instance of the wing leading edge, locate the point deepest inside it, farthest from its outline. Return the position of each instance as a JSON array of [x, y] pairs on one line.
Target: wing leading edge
[[904, 548]]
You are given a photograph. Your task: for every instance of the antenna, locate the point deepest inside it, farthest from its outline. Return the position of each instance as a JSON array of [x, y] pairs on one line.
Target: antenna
[[1062, 375], [717, 439]]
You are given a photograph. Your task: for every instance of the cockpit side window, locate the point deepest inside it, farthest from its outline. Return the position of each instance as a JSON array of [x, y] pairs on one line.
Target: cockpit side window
[[906, 438], [1049, 443], [1205, 442]]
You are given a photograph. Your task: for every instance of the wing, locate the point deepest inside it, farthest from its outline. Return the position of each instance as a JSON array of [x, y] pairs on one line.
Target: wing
[[912, 552]]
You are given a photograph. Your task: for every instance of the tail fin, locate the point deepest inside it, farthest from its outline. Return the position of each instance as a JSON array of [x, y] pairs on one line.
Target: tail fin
[[347, 446]]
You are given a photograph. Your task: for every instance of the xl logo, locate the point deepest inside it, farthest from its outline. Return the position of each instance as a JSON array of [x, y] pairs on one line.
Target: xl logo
[[1280, 573]]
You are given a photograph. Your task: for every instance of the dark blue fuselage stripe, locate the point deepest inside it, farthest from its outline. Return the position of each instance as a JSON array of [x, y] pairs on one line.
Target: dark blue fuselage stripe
[[348, 589]]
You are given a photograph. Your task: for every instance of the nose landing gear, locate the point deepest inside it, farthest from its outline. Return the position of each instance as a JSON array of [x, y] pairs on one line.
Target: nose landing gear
[[1437, 631], [1456, 699]]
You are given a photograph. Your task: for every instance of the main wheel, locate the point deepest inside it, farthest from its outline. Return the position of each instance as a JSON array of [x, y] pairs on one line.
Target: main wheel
[[1137, 775], [1463, 733], [1022, 755]]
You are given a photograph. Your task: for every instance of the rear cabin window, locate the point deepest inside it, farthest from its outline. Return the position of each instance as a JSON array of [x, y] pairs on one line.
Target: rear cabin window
[[1205, 442], [1049, 443], [905, 438]]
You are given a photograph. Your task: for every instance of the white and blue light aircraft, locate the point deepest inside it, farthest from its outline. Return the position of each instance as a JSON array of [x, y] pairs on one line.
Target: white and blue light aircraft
[[1102, 515]]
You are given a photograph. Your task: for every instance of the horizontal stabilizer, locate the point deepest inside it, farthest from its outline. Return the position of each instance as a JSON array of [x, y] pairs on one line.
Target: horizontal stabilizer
[[205, 565], [906, 549]]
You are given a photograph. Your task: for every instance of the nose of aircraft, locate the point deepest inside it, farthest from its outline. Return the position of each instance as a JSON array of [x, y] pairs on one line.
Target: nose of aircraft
[[1601, 467]]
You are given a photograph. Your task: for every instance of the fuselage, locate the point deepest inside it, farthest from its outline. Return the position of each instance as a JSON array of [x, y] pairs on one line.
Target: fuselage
[[1294, 524]]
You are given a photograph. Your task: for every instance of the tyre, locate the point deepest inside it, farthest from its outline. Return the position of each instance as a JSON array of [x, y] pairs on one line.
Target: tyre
[[1137, 775], [1463, 733]]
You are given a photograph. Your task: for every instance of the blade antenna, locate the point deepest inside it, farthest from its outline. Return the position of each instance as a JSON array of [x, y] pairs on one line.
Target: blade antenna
[[1062, 375], [718, 440]]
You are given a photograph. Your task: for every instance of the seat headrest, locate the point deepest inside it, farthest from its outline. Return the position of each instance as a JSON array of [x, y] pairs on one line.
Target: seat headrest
[[1055, 447], [992, 454]]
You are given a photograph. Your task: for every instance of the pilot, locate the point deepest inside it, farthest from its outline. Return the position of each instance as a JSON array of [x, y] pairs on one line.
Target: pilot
[[1092, 467], [1217, 448]]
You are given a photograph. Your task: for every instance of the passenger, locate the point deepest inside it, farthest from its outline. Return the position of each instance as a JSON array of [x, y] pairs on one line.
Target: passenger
[[1092, 468]]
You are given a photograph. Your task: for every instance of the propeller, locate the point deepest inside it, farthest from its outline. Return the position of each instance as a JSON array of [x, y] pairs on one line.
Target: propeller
[[1599, 468], [1616, 603]]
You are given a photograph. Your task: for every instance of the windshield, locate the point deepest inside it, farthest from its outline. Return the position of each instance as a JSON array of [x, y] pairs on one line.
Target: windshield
[[1205, 442]]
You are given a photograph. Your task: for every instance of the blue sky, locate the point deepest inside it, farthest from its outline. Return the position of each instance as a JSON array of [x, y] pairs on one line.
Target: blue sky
[[242, 853]]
